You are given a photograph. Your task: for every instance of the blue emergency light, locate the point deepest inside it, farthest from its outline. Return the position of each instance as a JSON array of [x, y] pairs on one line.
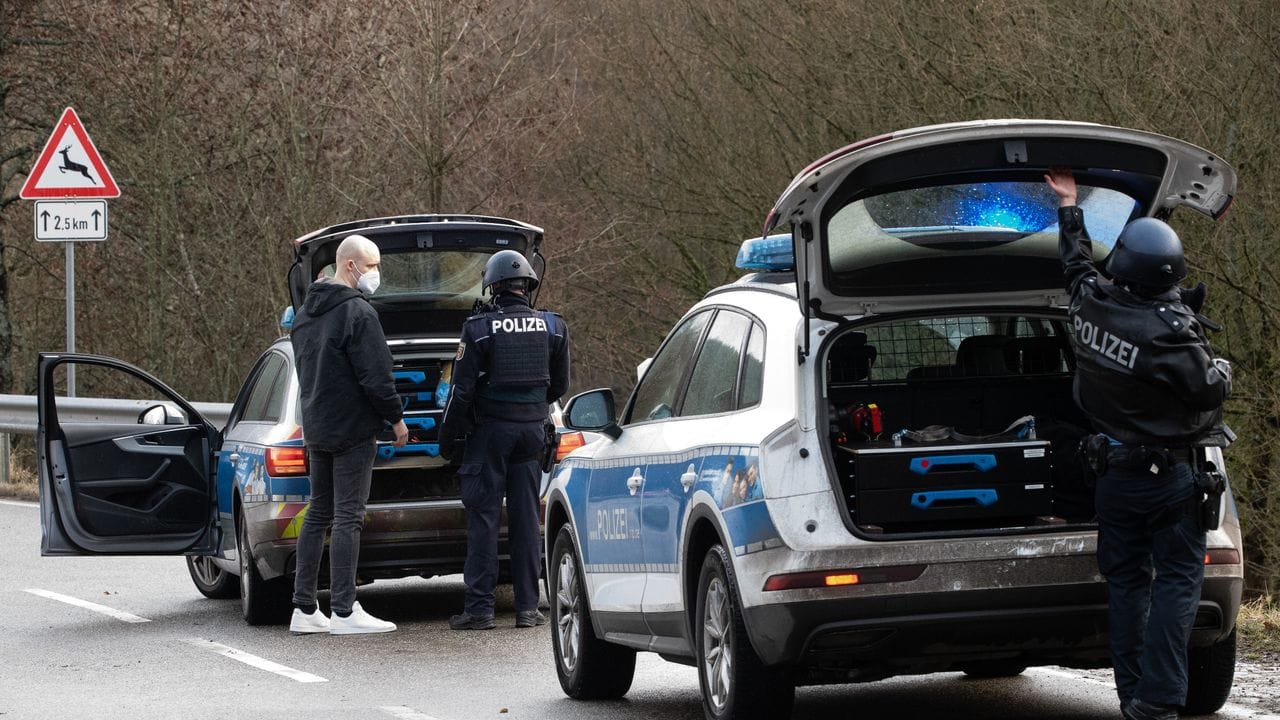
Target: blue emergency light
[[286, 319], [771, 253]]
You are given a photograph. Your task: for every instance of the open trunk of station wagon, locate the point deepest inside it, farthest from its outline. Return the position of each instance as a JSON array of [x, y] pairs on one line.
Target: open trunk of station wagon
[[936, 251], [994, 430], [431, 282]]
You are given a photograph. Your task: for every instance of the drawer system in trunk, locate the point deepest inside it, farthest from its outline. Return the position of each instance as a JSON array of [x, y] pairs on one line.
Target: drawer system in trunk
[[422, 381], [931, 487]]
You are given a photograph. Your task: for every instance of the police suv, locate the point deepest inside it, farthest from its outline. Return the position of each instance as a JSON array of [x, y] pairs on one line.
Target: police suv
[[860, 460]]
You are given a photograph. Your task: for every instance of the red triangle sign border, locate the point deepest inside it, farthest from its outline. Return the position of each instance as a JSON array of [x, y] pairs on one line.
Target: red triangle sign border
[[71, 121]]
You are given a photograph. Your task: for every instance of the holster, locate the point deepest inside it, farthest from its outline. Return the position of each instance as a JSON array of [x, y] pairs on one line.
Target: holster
[[550, 444], [1096, 450], [1210, 484]]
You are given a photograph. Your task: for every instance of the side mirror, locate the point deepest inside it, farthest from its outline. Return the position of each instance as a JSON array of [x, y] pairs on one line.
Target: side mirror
[[161, 415], [593, 411]]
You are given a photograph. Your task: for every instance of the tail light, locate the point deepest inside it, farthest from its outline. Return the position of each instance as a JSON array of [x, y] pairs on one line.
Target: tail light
[[1222, 556], [567, 443], [286, 461]]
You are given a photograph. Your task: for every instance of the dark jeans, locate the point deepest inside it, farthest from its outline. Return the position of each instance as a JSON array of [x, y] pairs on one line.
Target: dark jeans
[[339, 491], [1152, 554], [502, 458]]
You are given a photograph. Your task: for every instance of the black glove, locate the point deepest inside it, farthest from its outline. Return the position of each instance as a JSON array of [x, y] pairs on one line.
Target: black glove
[[451, 446], [1194, 298]]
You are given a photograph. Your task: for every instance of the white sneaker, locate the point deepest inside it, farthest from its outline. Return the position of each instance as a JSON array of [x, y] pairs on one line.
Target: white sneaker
[[358, 623], [302, 623]]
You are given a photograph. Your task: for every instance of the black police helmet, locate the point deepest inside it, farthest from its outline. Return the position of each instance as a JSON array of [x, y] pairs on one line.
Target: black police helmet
[[1148, 254], [507, 265]]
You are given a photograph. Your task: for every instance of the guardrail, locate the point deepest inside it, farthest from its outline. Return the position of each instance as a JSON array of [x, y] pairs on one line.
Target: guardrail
[[18, 416], [18, 412]]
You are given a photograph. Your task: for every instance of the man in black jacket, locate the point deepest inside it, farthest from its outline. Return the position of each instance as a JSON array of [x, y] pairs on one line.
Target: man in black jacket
[[512, 363], [348, 395], [1146, 378]]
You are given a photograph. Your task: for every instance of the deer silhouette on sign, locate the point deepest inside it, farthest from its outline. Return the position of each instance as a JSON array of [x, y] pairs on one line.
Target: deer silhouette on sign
[[68, 165]]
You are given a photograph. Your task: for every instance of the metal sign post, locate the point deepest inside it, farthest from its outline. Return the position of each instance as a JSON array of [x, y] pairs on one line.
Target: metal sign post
[[71, 182], [71, 316]]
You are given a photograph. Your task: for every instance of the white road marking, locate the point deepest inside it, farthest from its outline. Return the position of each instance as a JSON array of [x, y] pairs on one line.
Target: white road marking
[[255, 661], [1229, 710], [20, 503], [117, 614], [405, 713]]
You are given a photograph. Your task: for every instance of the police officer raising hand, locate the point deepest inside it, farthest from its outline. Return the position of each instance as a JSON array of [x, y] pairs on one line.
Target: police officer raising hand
[[512, 363], [1147, 380]]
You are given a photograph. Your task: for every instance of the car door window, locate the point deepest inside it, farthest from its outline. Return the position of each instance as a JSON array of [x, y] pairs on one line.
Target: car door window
[[752, 385], [655, 398], [266, 398], [713, 385]]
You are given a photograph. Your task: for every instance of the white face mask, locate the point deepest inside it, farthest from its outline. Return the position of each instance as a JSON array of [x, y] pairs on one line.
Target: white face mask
[[368, 283]]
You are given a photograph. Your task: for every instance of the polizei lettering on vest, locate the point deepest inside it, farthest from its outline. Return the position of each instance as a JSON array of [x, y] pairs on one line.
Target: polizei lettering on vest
[[518, 325], [1105, 344]]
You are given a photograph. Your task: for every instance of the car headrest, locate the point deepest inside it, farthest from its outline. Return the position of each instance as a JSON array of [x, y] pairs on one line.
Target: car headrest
[[984, 355], [852, 358], [1036, 355]]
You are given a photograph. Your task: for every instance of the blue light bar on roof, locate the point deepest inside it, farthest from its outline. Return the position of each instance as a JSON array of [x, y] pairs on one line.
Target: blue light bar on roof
[[771, 253]]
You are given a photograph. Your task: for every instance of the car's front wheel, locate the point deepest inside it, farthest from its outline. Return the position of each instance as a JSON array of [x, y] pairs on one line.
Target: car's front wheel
[[263, 602], [211, 580], [1210, 672], [589, 668], [735, 684]]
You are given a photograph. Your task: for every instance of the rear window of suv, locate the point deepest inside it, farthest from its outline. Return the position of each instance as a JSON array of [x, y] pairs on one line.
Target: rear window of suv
[[966, 237]]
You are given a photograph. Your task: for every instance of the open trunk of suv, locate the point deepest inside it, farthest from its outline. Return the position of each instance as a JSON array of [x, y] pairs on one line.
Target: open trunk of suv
[[956, 423]]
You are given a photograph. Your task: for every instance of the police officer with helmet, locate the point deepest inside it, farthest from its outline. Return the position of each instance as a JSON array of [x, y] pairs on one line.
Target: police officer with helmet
[[1147, 379], [512, 363]]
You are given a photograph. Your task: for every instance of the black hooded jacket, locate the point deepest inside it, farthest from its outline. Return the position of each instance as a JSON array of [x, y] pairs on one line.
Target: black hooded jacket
[[1144, 371], [344, 368]]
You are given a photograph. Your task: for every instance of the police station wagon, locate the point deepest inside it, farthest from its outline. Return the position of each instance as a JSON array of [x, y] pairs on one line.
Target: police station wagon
[[233, 498], [859, 461]]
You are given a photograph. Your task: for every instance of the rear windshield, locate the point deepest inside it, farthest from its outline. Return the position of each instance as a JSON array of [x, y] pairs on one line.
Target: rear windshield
[[964, 237], [442, 279]]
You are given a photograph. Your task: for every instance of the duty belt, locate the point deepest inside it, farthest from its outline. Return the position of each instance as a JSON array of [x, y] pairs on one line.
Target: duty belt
[[1143, 457]]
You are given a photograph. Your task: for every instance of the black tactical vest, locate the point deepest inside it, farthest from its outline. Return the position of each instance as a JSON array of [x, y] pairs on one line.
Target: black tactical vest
[[521, 349]]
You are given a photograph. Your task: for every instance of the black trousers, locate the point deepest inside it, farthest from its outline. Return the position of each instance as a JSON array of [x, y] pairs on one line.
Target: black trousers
[[502, 458], [1152, 554]]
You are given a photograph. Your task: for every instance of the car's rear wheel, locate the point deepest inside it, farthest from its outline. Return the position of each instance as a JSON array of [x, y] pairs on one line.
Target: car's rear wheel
[[263, 602], [211, 580], [735, 684], [589, 668], [1210, 672]]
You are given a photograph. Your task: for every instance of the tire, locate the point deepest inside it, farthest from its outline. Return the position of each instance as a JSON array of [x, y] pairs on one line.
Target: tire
[[994, 669], [263, 602], [588, 667], [211, 580], [735, 684], [1210, 672]]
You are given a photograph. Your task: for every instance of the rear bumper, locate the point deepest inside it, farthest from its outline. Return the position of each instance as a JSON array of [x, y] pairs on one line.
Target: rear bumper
[[853, 639], [399, 539]]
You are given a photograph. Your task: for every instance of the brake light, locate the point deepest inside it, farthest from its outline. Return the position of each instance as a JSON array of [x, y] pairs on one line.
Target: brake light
[[567, 443], [286, 461], [1222, 556]]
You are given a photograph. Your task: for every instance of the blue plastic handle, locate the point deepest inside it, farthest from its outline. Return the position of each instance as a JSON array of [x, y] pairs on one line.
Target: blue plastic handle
[[982, 463], [420, 423], [925, 500], [413, 376], [386, 452]]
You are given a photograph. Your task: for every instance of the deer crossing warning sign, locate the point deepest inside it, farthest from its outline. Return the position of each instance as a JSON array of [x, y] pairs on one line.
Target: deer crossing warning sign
[[69, 166]]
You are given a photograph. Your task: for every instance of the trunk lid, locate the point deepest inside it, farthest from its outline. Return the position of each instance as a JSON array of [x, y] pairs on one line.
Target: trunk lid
[[960, 214], [431, 266]]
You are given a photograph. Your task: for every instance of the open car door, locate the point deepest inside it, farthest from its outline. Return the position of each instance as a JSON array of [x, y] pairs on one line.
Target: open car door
[[141, 484]]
